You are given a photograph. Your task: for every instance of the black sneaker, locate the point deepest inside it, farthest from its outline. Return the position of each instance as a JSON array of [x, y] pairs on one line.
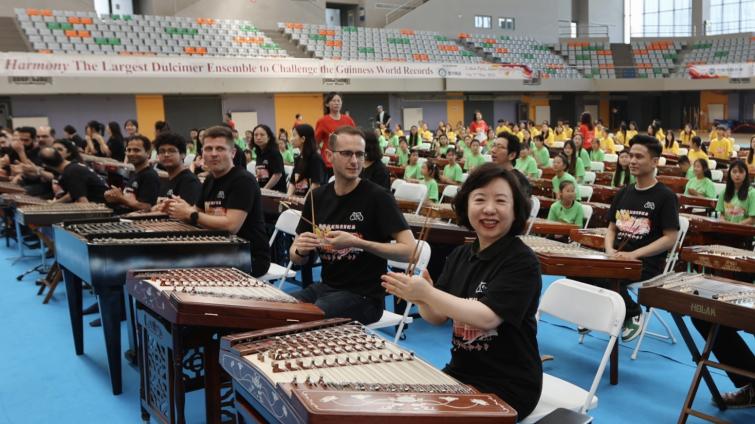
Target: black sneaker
[[741, 398]]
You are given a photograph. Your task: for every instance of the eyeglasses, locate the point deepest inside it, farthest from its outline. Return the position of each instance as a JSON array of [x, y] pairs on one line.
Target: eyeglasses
[[347, 154]]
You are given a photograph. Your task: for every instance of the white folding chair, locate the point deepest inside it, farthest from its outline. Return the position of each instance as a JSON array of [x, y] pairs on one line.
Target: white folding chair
[[671, 259], [586, 214], [397, 182], [720, 188], [594, 308], [716, 175], [584, 192], [610, 158], [589, 178], [289, 170], [390, 150], [558, 144], [533, 213], [540, 172], [683, 151], [597, 166], [450, 192], [619, 148], [712, 164], [464, 177], [661, 161], [411, 192], [287, 222], [386, 160], [392, 319]]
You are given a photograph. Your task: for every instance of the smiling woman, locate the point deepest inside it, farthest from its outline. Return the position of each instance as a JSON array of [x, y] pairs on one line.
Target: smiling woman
[[490, 289]]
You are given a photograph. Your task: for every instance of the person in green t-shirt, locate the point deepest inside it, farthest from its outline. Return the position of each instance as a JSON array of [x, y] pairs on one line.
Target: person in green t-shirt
[[475, 158], [582, 154], [526, 164], [567, 209], [540, 152], [412, 171], [596, 154], [403, 152], [430, 174], [622, 176], [737, 202], [560, 164], [452, 173], [286, 152], [686, 167], [701, 185]]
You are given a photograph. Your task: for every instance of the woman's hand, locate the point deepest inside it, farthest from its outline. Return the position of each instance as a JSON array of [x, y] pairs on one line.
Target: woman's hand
[[411, 288]]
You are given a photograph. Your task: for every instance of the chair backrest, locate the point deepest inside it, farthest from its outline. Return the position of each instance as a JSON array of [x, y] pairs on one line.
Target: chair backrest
[[720, 188], [618, 148], [588, 306], [411, 192], [421, 161], [586, 214], [533, 213], [683, 151], [464, 177], [661, 161], [540, 172], [716, 175], [558, 144], [712, 164], [597, 166], [424, 252], [397, 182], [584, 192], [390, 150], [386, 160], [589, 178], [287, 222], [450, 192], [610, 158], [673, 254]]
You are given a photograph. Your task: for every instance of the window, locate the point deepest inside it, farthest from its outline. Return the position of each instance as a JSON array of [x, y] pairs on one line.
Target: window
[[731, 16], [657, 18], [506, 23], [483, 22]]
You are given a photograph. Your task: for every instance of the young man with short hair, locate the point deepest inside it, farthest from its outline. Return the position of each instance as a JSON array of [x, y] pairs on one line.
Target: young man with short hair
[[171, 153], [352, 228], [230, 199], [644, 222]]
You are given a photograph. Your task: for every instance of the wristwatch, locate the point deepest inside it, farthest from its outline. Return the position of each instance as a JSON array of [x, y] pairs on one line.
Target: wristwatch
[[193, 218]]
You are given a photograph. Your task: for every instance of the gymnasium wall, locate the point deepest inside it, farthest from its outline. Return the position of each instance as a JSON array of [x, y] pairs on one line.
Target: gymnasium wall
[[263, 104], [75, 110]]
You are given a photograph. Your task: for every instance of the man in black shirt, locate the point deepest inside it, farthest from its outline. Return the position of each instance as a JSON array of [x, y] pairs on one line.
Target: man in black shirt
[[142, 188], [79, 183], [354, 221], [171, 152], [504, 151], [644, 222], [230, 199]]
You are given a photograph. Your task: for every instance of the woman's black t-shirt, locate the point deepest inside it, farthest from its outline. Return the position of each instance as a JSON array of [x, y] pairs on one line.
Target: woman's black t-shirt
[[270, 162], [314, 173], [506, 361], [378, 174], [117, 148]]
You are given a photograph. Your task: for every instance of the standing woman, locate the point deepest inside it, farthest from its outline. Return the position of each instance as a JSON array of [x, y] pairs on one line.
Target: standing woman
[[478, 125], [737, 203], [269, 165], [131, 126], [115, 141], [490, 290], [329, 123], [309, 169], [586, 129]]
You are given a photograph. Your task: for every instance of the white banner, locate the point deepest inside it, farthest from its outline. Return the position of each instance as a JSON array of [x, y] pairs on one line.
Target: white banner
[[47, 65], [722, 70]]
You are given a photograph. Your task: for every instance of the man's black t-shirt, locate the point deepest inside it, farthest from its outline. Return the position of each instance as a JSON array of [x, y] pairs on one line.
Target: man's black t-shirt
[[117, 148], [239, 190], [368, 212], [640, 217], [270, 162], [144, 185], [378, 174], [184, 185], [505, 277], [79, 181], [314, 173]]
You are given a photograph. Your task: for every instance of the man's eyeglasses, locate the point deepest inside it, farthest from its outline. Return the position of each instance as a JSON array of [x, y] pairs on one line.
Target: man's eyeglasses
[[347, 154]]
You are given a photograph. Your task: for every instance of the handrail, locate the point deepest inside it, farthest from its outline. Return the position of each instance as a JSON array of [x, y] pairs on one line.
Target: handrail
[[402, 9]]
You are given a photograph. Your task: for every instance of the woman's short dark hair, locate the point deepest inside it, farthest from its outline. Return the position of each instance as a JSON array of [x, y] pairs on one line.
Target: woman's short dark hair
[[96, 126], [131, 121], [73, 151], [271, 145], [171, 139], [482, 176], [328, 98], [372, 147]]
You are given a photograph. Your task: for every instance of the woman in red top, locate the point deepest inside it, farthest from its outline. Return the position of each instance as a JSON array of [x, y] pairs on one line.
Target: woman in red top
[[329, 123], [478, 125], [586, 129]]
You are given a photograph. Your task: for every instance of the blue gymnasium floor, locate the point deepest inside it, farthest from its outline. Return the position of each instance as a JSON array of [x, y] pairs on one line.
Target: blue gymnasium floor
[[43, 381]]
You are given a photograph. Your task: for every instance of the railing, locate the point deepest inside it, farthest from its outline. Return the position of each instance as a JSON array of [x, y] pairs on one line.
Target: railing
[[569, 29], [402, 9]]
